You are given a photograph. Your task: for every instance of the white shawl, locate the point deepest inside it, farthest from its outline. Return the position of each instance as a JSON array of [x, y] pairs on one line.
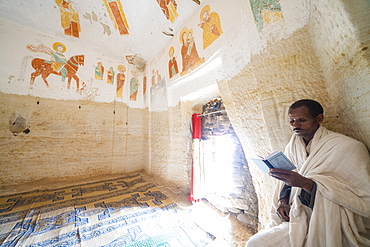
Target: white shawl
[[340, 166]]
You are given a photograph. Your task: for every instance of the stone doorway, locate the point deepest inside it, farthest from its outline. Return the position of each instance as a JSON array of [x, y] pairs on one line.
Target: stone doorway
[[227, 182]]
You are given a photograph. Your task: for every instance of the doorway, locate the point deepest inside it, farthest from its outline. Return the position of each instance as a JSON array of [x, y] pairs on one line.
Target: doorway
[[226, 182]]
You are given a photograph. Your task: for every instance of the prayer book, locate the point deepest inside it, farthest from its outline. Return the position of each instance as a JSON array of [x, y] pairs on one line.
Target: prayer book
[[275, 160]]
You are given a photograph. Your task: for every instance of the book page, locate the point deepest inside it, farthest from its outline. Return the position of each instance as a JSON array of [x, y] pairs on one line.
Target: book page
[[279, 160]]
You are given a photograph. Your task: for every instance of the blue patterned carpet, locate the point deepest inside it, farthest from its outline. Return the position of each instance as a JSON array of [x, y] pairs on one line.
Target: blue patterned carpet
[[126, 211]]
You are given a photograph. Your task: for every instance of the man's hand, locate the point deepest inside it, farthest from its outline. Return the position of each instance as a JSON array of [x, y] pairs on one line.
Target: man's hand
[[292, 178], [283, 209]]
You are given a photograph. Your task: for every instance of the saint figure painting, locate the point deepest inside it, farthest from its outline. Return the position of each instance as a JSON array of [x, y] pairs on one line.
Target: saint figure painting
[[211, 25], [117, 15], [69, 18]]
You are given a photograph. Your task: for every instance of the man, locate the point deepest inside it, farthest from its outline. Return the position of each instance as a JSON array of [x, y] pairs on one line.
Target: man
[[326, 201]]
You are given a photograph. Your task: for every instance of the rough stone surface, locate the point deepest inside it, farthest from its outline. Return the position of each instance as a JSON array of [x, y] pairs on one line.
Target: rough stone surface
[[70, 140]]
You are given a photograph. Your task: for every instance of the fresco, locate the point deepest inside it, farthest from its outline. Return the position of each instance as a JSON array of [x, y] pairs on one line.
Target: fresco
[[189, 53], [121, 77], [172, 63], [156, 77], [144, 87], [117, 15], [57, 65], [69, 18], [110, 76], [99, 71], [134, 85], [266, 12], [169, 8], [211, 25]]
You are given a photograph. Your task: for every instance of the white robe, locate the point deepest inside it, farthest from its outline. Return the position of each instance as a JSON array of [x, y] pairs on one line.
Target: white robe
[[340, 167]]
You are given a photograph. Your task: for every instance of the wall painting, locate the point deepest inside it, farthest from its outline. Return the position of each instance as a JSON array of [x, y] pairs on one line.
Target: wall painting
[[134, 85], [211, 25], [189, 53], [69, 18], [57, 65], [115, 10], [172, 63], [121, 77], [169, 9], [99, 71], [110, 76], [266, 12]]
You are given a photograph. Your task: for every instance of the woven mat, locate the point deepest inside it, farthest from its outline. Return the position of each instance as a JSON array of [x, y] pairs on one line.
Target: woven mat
[[126, 211]]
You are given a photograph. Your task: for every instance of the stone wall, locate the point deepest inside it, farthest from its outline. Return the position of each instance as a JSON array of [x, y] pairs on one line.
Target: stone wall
[[69, 140]]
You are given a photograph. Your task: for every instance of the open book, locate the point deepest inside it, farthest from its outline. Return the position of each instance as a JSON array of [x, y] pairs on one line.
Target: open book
[[275, 160]]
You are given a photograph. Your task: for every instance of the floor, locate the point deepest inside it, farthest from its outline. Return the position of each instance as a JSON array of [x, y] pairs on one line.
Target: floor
[[226, 228]]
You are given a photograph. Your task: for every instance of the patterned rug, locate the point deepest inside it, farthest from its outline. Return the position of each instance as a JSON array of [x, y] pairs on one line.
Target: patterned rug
[[126, 211]]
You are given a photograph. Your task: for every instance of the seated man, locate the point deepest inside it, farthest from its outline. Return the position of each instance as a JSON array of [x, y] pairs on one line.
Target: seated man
[[326, 201]]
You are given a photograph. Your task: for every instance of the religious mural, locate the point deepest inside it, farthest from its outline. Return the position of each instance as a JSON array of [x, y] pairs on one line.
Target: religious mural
[[99, 71], [110, 76], [69, 18], [115, 10], [144, 87], [121, 77], [211, 25], [169, 8], [266, 12], [156, 77], [57, 65], [172, 63], [189, 53], [134, 85]]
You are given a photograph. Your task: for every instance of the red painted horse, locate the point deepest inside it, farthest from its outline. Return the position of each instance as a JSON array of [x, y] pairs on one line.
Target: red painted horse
[[43, 68]]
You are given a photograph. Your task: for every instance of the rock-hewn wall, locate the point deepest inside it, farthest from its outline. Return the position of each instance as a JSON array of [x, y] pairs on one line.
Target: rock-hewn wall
[[69, 140], [326, 59]]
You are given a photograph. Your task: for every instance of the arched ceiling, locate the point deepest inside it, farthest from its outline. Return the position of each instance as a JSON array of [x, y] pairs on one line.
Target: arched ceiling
[[145, 18]]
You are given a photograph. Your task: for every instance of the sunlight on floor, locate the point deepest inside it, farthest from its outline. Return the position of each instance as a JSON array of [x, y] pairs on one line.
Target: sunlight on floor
[[229, 232], [226, 228]]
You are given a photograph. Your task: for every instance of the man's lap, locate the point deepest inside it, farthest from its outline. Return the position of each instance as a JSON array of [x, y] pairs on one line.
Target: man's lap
[[273, 237]]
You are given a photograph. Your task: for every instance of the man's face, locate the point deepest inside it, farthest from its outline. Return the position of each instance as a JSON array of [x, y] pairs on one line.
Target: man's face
[[304, 125]]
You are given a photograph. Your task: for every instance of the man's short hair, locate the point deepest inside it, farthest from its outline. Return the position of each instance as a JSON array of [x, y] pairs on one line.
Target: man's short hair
[[313, 106]]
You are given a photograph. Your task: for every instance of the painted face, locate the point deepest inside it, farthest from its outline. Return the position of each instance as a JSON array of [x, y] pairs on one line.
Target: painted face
[[303, 124], [59, 48], [205, 15]]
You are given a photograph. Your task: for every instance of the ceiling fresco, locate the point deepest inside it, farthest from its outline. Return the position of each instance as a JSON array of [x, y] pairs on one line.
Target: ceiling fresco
[[110, 27]]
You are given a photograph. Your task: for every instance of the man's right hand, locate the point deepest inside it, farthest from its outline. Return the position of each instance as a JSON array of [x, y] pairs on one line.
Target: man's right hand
[[283, 209]]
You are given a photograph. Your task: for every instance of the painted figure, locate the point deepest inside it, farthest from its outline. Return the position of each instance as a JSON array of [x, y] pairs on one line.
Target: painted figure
[[57, 65], [58, 60], [169, 8], [99, 71], [121, 77], [134, 85], [266, 12], [110, 76], [117, 15], [159, 77], [189, 53], [153, 77], [172, 63], [211, 25], [144, 86], [69, 18]]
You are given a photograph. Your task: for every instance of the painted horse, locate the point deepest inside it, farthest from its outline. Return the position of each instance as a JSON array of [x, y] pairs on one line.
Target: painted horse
[[44, 68]]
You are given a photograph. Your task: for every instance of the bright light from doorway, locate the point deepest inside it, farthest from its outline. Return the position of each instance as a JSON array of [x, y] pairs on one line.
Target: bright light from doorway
[[219, 154]]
